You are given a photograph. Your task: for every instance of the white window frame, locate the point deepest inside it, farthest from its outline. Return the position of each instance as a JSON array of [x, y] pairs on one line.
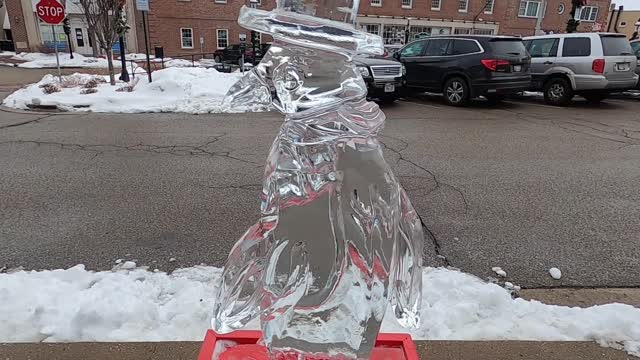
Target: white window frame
[[220, 1], [526, 7], [439, 5], [376, 3], [406, 6], [463, 31], [487, 2], [182, 37], [591, 9], [466, 6], [218, 38], [365, 29]]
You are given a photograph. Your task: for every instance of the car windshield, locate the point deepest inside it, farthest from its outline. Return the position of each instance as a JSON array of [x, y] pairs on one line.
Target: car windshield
[[636, 48], [511, 46], [614, 45]]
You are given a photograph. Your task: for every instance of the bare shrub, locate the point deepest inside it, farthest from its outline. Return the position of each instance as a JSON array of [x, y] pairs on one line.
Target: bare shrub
[[93, 83], [49, 88], [89, 91], [126, 88]]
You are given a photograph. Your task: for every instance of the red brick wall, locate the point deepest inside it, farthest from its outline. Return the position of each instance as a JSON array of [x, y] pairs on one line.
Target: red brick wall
[[552, 21], [203, 16], [16, 19], [448, 10]]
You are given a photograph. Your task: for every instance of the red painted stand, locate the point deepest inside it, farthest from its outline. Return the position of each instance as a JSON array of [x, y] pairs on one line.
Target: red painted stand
[[388, 347]]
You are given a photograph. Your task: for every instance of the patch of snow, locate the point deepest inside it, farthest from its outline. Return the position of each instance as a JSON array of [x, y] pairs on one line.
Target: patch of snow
[[498, 270], [138, 56], [189, 90], [119, 261], [128, 265], [7, 53], [172, 259], [139, 305], [555, 273], [508, 285], [40, 60], [180, 63]]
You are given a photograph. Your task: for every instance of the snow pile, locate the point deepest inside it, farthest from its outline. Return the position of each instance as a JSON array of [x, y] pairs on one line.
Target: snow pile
[[40, 60], [7, 53], [138, 56], [139, 305], [190, 90]]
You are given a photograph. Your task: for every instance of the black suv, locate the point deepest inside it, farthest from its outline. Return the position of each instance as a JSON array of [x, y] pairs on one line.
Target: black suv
[[384, 77], [467, 66], [232, 54]]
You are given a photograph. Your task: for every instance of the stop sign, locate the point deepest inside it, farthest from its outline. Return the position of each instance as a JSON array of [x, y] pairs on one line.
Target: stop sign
[[50, 11]]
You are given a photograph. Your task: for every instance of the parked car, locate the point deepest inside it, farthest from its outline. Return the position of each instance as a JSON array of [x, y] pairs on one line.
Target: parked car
[[232, 54], [384, 77], [591, 65], [389, 50], [635, 46], [466, 66]]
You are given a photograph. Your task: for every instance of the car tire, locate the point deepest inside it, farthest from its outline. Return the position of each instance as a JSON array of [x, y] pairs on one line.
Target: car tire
[[217, 59], [455, 91], [558, 92], [493, 99], [594, 98]]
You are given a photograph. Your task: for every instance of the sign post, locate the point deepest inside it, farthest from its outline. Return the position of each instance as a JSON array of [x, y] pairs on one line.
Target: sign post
[[52, 12], [143, 5]]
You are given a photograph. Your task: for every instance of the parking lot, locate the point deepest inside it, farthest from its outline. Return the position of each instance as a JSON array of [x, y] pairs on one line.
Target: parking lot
[[520, 185]]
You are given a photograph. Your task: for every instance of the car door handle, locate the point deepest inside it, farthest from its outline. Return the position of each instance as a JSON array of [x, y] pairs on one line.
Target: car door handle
[[548, 63]]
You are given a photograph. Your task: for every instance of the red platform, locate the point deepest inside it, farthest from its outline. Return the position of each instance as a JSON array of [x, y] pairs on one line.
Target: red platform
[[388, 347]]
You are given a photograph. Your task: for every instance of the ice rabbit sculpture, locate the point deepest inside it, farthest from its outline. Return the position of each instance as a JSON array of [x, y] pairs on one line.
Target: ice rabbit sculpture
[[338, 239]]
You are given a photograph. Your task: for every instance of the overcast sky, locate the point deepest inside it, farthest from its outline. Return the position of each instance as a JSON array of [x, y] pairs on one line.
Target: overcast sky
[[628, 4]]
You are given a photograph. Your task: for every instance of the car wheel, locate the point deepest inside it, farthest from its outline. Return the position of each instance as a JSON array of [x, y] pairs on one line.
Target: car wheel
[[455, 91], [217, 59], [558, 92], [594, 98]]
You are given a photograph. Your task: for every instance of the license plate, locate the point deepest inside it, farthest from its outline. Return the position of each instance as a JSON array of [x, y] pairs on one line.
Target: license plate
[[622, 67], [517, 68], [389, 87]]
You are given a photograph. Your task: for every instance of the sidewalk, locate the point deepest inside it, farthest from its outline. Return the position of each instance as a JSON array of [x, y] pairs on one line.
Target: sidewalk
[[428, 350]]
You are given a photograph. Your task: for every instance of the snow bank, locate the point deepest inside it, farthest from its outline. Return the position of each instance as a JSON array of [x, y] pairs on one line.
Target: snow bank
[[40, 60], [139, 305], [190, 90]]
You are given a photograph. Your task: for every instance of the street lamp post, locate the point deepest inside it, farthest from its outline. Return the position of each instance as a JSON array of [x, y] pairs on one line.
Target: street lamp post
[[122, 30]]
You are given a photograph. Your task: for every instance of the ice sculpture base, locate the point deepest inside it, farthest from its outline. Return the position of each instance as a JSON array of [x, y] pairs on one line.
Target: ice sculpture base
[[388, 347]]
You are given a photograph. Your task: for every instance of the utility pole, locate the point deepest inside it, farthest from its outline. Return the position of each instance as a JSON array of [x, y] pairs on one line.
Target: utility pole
[[541, 12]]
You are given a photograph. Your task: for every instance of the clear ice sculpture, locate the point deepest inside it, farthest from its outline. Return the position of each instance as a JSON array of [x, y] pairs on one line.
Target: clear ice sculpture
[[338, 238]]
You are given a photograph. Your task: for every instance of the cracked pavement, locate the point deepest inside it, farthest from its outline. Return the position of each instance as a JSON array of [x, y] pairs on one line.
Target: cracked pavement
[[522, 186]]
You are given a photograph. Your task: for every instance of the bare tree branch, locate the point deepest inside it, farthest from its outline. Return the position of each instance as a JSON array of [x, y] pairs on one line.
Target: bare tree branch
[[101, 17]]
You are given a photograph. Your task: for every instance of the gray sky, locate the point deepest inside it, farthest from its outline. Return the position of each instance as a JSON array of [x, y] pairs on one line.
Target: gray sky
[[628, 4]]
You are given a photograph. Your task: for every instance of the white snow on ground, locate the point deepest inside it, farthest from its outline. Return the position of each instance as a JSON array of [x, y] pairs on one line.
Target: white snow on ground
[[40, 60], [138, 56], [7, 53], [555, 273], [190, 90], [139, 305]]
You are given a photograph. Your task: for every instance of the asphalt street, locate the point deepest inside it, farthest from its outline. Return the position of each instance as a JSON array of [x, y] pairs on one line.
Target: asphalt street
[[521, 185]]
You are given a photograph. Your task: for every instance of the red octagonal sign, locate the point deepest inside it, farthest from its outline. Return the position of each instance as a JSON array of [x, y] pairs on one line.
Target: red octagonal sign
[[50, 11]]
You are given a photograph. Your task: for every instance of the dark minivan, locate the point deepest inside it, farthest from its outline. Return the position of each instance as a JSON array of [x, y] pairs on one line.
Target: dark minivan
[[467, 66]]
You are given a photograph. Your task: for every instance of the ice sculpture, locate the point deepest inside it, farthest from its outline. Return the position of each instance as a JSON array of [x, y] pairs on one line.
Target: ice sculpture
[[338, 238]]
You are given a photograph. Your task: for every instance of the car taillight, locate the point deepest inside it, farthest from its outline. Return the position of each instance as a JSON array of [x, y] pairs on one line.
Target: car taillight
[[598, 66], [492, 64]]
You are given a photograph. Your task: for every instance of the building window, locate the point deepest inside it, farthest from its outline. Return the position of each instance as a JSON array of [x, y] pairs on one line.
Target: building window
[[393, 34], [406, 4], [529, 9], [419, 32], [371, 28], [488, 7], [376, 2], [463, 5], [435, 4], [186, 38], [79, 37], [462, 31], [483, 31], [623, 24], [587, 13], [222, 37]]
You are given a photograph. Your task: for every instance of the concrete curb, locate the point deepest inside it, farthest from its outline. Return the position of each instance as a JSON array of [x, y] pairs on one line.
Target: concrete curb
[[428, 350]]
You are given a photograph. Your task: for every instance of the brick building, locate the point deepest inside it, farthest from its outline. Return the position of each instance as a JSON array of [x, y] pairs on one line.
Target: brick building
[[196, 26]]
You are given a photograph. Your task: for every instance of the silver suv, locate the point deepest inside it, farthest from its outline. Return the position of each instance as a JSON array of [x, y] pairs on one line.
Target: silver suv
[[591, 65]]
